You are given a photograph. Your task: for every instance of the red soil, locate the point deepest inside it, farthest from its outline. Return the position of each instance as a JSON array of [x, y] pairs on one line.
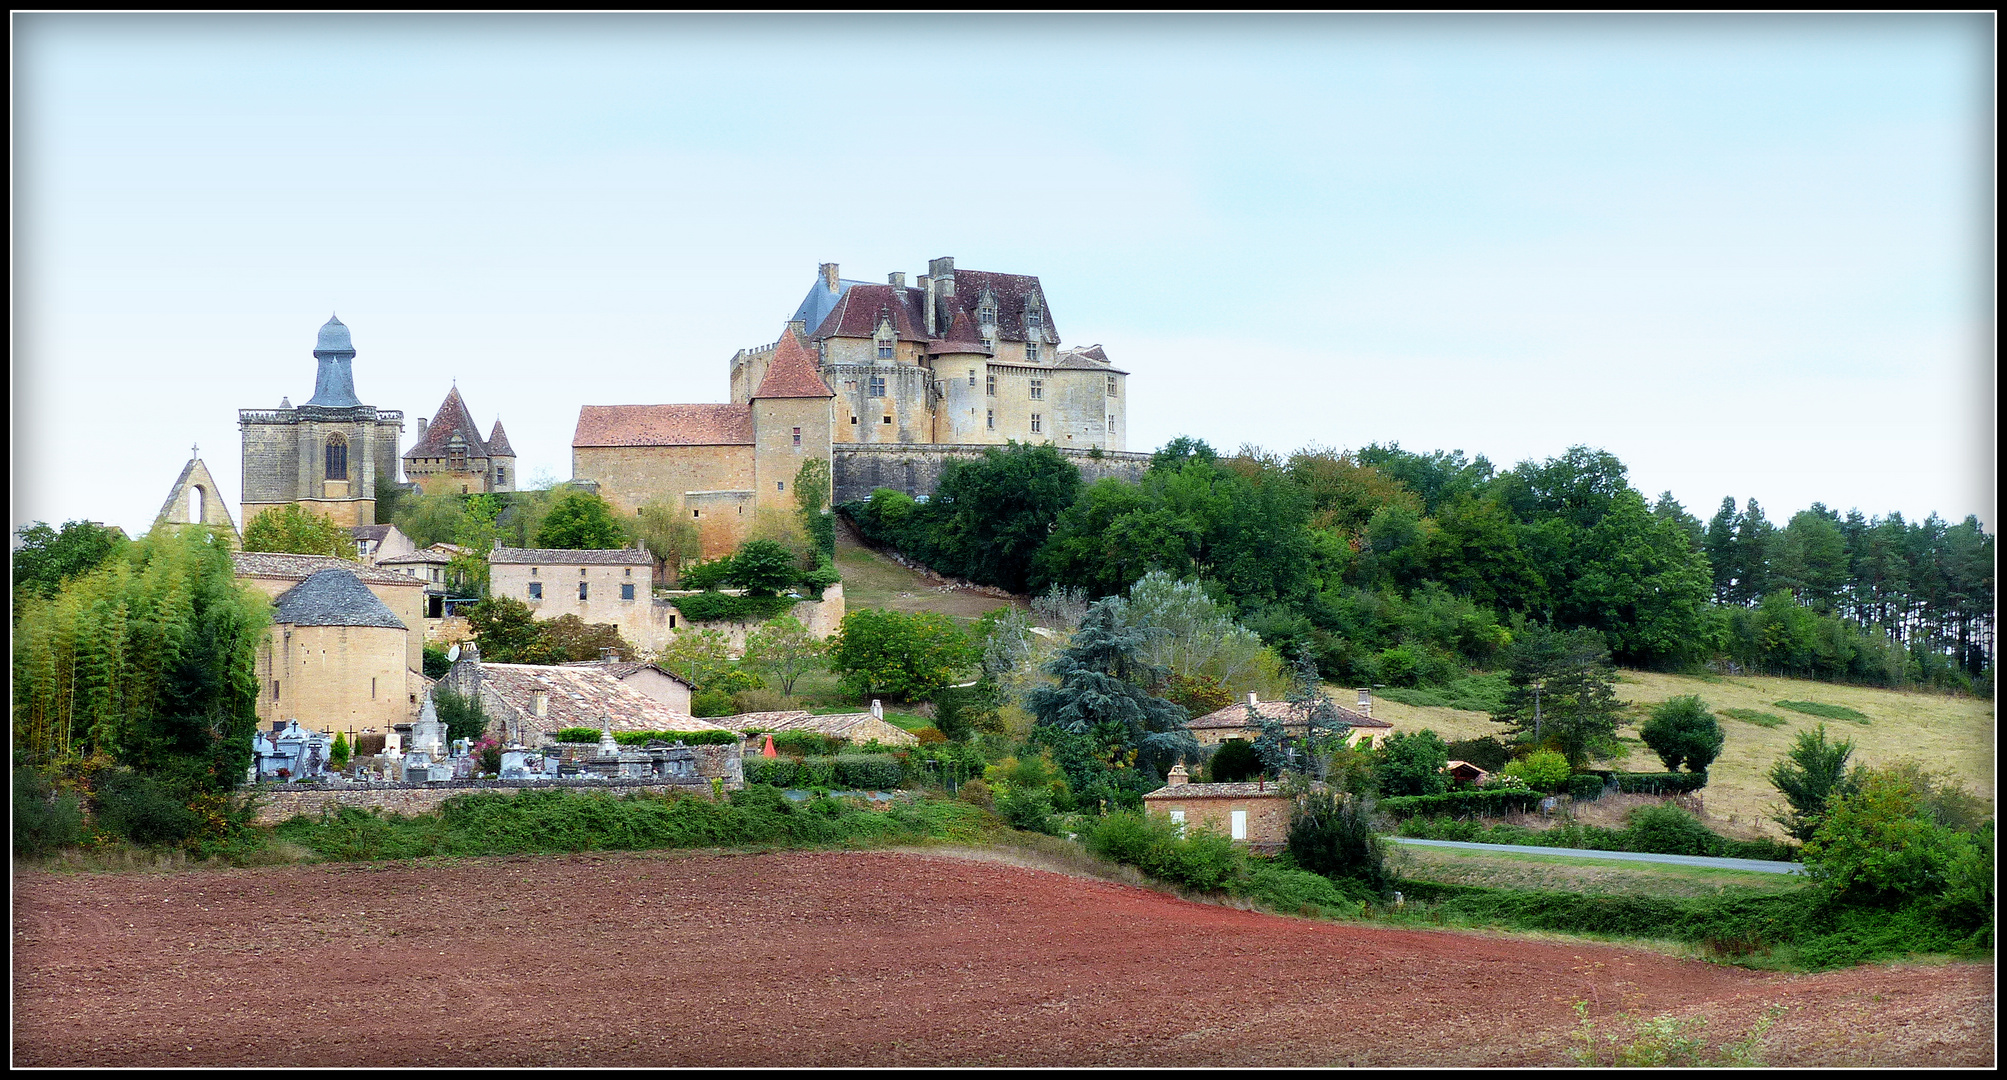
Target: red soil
[[859, 958]]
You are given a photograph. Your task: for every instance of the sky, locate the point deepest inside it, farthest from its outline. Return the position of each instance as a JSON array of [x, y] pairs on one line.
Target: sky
[[1750, 256]]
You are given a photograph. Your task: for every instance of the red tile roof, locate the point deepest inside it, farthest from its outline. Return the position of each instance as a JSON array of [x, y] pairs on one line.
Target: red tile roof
[[963, 337], [1235, 716], [1254, 788], [452, 418], [859, 309], [664, 425], [791, 373]]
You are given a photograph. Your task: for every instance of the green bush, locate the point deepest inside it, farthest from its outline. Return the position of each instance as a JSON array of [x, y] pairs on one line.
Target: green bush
[[44, 820], [855, 772], [1660, 783], [708, 607], [1332, 835], [1411, 763], [144, 810], [1545, 770], [1199, 859], [1583, 787], [805, 743], [1234, 761], [1490, 802], [710, 703], [1682, 731], [1300, 892], [1026, 808], [1669, 830]]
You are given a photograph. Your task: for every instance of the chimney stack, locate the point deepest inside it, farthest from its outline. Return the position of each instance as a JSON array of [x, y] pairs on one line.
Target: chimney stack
[[421, 429], [828, 276], [1365, 701], [1177, 776], [927, 299], [1251, 700], [877, 709], [896, 279], [540, 704]]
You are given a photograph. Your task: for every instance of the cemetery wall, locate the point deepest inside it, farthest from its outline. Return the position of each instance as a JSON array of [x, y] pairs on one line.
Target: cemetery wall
[[281, 802]]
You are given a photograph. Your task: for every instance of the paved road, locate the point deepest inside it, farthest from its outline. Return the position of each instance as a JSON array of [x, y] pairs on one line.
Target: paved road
[[1764, 866]]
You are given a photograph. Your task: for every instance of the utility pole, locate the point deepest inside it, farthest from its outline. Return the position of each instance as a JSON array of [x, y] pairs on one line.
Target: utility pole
[[1536, 713]]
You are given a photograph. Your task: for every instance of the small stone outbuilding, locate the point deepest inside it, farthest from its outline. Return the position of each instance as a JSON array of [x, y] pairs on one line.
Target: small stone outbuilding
[[1255, 813]]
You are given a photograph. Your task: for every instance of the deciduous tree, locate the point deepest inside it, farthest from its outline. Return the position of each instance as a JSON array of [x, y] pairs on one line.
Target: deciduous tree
[[291, 529], [1682, 731]]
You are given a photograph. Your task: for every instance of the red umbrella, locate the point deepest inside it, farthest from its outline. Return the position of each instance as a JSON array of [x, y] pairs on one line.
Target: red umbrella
[[769, 750]]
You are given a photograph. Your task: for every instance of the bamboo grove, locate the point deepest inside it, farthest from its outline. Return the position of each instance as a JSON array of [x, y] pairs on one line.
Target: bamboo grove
[[148, 660]]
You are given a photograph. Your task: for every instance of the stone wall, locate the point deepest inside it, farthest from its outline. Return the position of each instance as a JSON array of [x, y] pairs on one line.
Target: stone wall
[[281, 802], [916, 469], [647, 622], [1267, 815]]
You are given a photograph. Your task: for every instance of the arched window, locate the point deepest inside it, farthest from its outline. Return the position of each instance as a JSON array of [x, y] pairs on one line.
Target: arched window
[[337, 458], [195, 505]]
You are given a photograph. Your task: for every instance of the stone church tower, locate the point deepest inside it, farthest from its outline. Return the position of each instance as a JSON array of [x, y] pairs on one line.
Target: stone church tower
[[332, 454]]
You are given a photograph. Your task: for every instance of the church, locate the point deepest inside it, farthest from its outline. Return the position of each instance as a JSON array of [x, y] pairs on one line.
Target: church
[[331, 455]]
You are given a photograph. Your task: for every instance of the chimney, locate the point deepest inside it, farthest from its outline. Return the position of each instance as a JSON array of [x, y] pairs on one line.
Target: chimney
[[1177, 776], [608, 655], [1252, 700], [877, 709], [941, 274], [797, 327], [896, 279], [1365, 701], [927, 298], [828, 276], [540, 703], [421, 429]]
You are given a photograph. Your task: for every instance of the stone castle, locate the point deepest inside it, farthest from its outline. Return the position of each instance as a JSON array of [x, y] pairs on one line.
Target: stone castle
[[885, 383]]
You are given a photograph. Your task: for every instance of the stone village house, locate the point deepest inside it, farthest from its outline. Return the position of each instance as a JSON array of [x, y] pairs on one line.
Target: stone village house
[[1233, 722], [341, 652], [1255, 813]]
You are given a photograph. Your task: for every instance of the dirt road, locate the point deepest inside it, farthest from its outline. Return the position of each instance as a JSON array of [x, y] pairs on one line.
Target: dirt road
[[871, 958]]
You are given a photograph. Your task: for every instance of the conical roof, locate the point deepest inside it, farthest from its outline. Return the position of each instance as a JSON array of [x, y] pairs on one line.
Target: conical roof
[[452, 418], [792, 373], [333, 597], [498, 442]]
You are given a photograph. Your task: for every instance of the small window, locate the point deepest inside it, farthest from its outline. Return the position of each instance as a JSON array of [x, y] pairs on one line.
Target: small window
[[533, 571], [1178, 819], [275, 689], [581, 590], [877, 386], [1038, 389], [1031, 350], [853, 421], [797, 436], [1032, 318], [990, 419], [696, 513], [1239, 825], [991, 383], [780, 485], [581, 571], [986, 314], [536, 590], [887, 420], [501, 474], [627, 590], [456, 458], [372, 689], [629, 572], [884, 350], [1035, 422], [1111, 420], [1113, 387], [672, 622], [972, 376]]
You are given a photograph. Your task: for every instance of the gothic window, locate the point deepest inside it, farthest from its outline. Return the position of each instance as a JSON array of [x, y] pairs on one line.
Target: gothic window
[[1035, 422], [1031, 350], [195, 505], [1038, 389], [991, 382], [337, 458], [877, 386]]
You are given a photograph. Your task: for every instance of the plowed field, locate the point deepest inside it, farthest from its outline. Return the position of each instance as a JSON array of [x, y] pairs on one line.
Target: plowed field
[[839, 958]]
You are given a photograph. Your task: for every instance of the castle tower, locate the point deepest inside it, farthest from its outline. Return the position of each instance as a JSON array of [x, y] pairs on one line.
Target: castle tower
[[792, 422], [329, 455], [450, 454], [195, 500]]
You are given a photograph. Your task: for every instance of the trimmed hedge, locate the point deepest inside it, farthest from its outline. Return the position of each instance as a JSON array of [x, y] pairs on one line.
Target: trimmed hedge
[[1651, 783], [643, 738], [720, 607], [1484, 803], [857, 772], [1657, 834], [1583, 787]]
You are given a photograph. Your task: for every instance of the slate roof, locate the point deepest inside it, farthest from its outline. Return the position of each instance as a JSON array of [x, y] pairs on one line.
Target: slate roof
[[300, 567], [1235, 716], [1093, 352], [816, 305], [664, 425], [452, 418], [963, 337], [333, 597], [581, 696], [498, 442], [427, 555], [856, 312], [1254, 788], [369, 532], [791, 373], [568, 557]]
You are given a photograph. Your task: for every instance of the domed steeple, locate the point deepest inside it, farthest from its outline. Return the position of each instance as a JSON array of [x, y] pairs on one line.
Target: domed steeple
[[334, 385]]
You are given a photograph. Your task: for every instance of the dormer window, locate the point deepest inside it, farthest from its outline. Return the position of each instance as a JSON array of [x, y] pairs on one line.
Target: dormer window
[[986, 313], [1031, 351], [887, 338], [1032, 316], [456, 458], [885, 348]]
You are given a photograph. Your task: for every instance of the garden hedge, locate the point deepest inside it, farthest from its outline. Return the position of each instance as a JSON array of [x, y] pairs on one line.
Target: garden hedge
[[1485, 803], [856, 772]]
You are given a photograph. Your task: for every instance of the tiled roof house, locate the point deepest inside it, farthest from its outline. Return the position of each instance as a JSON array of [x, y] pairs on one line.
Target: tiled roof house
[[451, 455]]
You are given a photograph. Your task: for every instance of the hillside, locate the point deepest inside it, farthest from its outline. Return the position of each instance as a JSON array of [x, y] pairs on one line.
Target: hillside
[[870, 580], [1954, 733]]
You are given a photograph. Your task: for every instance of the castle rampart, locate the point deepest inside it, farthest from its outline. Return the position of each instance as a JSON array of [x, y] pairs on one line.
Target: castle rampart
[[915, 468]]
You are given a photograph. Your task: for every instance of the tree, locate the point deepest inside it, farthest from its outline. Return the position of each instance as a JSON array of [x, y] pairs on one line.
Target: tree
[[294, 530], [429, 518], [1234, 761], [1809, 777], [46, 558], [704, 657], [572, 638], [1877, 842], [1561, 694], [1682, 730], [992, 515], [1333, 835], [784, 650], [764, 567], [1414, 764], [509, 634], [1189, 635], [906, 657], [338, 754], [670, 536], [812, 493], [463, 714], [581, 520]]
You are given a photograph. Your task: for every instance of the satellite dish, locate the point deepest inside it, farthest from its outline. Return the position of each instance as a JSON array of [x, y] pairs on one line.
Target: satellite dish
[[453, 654]]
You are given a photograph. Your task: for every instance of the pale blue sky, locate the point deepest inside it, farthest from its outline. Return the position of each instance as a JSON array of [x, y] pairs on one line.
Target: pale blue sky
[[1750, 256]]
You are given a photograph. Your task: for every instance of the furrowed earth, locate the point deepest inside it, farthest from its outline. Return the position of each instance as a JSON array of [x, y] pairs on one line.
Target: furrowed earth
[[855, 958]]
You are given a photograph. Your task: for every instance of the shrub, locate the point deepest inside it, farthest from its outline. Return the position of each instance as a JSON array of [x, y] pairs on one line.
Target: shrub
[[1200, 860], [930, 736], [1808, 777], [1877, 843], [977, 793], [1659, 783], [369, 745], [706, 607], [1332, 835], [1026, 808], [1545, 770], [1234, 761], [1489, 802], [1299, 892], [761, 700], [860, 772], [1413, 763], [463, 715], [708, 703], [1669, 830], [1583, 787], [577, 735], [45, 820], [806, 743], [1682, 731], [144, 810]]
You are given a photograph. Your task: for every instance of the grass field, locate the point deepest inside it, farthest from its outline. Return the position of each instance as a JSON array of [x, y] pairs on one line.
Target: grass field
[[1950, 733], [1586, 874], [871, 580]]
